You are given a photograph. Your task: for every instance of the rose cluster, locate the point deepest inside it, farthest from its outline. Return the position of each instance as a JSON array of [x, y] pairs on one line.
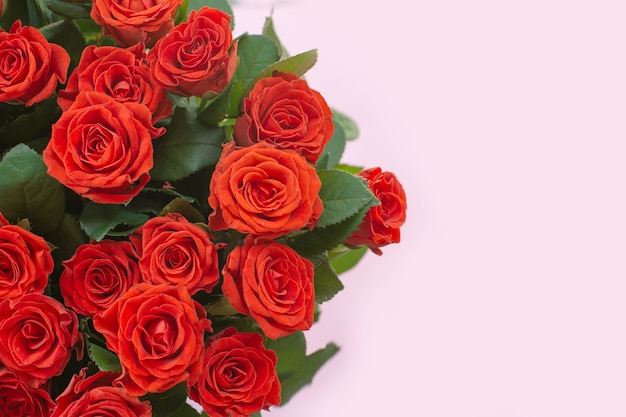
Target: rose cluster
[[177, 211]]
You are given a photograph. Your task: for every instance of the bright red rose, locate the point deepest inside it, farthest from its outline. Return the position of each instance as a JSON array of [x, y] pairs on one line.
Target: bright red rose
[[18, 399], [157, 331], [129, 22], [98, 274], [37, 336], [119, 73], [25, 261], [271, 283], [174, 251], [284, 111], [196, 56], [30, 66], [381, 225], [263, 190], [238, 376], [102, 149], [96, 396]]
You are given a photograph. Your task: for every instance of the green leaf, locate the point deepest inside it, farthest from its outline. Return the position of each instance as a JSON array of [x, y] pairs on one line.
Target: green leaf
[[350, 128], [309, 367], [333, 150], [104, 358], [166, 403], [291, 351], [69, 10], [349, 168], [66, 34], [297, 65], [183, 207], [327, 283], [256, 52], [97, 220], [67, 237], [25, 10], [218, 108], [185, 410], [321, 239], [270, 31], [33, 123], [186, 147], [345, 258], [29, 192], [343, 195]]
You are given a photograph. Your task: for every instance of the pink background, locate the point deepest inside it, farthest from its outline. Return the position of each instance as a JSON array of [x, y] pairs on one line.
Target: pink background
[[505, 121]]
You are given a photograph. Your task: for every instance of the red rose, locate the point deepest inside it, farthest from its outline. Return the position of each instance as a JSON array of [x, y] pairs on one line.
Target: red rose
[[37, 336], [284, 111], [25, 261], [157, 331], [271, 283], [102, 149], [238, 376], [30, 66], [129, 22], [174, 251], [194, 58], [381, 225], [119, 73], [263, 190], [96, 396], [18, 399], [98, 274]]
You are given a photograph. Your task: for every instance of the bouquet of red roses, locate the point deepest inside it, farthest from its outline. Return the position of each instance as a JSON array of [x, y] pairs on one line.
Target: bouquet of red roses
[[173, 211]]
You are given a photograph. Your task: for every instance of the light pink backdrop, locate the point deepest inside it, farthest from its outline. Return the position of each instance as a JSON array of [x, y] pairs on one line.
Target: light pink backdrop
[[506, 122]]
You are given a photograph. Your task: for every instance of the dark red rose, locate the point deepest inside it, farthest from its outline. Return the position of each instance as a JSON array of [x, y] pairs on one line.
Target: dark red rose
[[129, 22], [37, 336], [271, 283], [284, 111], [25, 261], [263, 190], [238, 376], [102, 149], [381, 225], [195, 57], [174, 251], [18, 399], [96, 396], [30, 66], [98, 274], [157, 331], [119, 73]]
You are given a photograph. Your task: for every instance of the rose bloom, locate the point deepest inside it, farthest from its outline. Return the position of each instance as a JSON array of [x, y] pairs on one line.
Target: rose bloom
[[18, 399], [98, 274], [284, 111], [96, 396], [271, 283], [129, 22], [157, 331], [238, 376], [102, 149], [25, 261], [173, 250], [119, 73], [381, 225], [263, 190], [37, 336], [30, 66], [194, 58]]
